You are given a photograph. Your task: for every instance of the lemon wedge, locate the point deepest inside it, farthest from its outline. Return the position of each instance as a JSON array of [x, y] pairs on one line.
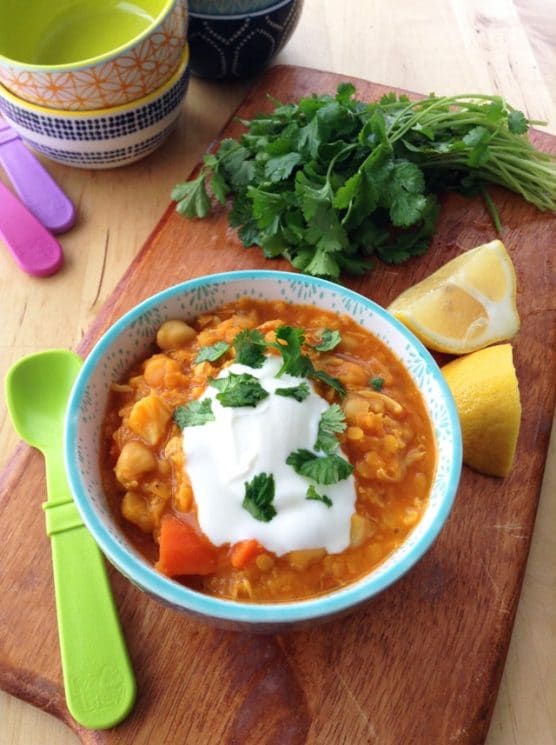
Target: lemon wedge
[[485, 388], [467, 304]]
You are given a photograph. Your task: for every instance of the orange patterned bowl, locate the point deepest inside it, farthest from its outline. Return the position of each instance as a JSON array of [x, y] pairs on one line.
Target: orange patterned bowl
[[80, 55]]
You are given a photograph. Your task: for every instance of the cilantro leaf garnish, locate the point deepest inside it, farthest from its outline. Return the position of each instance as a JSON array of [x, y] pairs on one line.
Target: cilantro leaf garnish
[[289, 342], [212, 353], [194, 414], [326, 469], [330, 380], [259, 495], [299, 392], [249, 345], [376, 383], [312, 493], [332, 421], [329, 340], [239, 390]]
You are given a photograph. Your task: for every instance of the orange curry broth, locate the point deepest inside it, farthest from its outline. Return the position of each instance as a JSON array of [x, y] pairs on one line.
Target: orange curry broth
[[388, 440]]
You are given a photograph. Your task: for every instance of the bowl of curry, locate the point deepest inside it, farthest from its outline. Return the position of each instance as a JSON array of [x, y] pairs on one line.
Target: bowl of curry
[[262, 449]]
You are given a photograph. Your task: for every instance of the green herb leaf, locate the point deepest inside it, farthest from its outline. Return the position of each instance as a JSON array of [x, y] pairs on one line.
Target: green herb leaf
[[376, 383], [328, 340], [299, 392], [192, 197], [312, 493], [194, 414], [289, 342], [279, 168], [330, 380], [249, 346], [326, 469], [212, 353], [405, 194], [517, 123], [332, 421], [259, 495], [239, 390]]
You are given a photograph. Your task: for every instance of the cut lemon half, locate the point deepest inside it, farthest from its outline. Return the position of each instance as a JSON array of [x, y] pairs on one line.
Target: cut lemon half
[[485, 388], [467, 304]]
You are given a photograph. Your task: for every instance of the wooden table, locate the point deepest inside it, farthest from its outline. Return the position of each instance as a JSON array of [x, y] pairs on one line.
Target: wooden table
[[432, 45]]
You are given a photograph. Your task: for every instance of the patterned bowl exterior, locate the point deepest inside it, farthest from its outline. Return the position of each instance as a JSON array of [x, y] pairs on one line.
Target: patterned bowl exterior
[[228, 7], [118, 78], [106, 138], [130, 339], [227, 47]]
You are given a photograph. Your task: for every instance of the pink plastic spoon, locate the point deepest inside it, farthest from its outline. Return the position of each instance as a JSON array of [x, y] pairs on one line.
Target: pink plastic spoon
[[35, 249]]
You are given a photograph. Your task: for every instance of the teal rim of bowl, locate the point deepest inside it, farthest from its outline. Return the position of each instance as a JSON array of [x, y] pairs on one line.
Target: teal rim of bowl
[[241, 16], [100, 58], [172, 593]]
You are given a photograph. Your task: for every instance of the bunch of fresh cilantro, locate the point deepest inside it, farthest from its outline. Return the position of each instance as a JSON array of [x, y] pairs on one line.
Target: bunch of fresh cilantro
[[329, 181]]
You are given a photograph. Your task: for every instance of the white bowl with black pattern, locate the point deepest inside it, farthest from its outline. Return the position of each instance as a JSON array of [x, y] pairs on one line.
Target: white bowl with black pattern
[[102, 138], [240, 45]]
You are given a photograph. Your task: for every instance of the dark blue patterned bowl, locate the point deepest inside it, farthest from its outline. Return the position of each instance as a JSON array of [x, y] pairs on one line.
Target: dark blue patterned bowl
[[226, 47]]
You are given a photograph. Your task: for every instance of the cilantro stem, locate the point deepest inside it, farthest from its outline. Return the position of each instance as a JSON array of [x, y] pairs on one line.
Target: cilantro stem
[[492, 209]]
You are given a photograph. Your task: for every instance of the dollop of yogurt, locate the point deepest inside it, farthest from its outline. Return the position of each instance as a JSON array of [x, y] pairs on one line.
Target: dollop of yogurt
[[221, 456]]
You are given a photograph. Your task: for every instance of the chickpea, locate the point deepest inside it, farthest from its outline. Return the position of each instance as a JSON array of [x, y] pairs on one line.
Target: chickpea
[[264, 562], [174, 334], [301, 559], [149, 417], [134, 509], [134, 460], [155, 369]]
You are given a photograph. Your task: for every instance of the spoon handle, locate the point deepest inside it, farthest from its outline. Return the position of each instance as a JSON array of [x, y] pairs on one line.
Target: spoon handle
[[34, 184], [35, 250], [98, 678]]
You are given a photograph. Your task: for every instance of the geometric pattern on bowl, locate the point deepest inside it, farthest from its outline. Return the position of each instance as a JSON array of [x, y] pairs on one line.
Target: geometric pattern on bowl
[[103, 138], [130, 339], [129, 74], [240, 46], [228, 7]]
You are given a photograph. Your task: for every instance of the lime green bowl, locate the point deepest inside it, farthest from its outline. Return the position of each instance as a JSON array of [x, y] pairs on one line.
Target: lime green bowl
[[80, 55]]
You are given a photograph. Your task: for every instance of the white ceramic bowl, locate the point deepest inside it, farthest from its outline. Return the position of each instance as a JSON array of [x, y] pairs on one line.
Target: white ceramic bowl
[[130, 71], [130, 339], [104, 138]]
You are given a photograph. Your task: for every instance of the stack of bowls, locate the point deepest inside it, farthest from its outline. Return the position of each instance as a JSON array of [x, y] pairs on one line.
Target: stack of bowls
[[236, 39], [93, 83]]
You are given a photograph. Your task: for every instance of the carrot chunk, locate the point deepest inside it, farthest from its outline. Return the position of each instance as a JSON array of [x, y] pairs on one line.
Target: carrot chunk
[[243, 552], [183, 550]]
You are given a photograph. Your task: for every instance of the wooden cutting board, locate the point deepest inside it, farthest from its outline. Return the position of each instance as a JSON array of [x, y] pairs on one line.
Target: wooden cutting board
[[420, 664]]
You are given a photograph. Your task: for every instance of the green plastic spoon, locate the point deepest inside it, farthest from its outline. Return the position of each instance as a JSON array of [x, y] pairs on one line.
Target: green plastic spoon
[[98, 678]]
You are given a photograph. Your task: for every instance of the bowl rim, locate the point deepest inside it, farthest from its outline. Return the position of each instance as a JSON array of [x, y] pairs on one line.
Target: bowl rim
[[276, 5], [172, 593], [77, 66], [137, 103]]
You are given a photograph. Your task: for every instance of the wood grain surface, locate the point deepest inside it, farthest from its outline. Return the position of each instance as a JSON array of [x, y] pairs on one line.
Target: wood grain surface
[[447, 46], [421, 663]]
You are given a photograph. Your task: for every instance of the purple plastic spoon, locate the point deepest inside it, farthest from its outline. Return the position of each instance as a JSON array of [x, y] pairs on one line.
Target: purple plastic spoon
[[35, 249], [34, 185]]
